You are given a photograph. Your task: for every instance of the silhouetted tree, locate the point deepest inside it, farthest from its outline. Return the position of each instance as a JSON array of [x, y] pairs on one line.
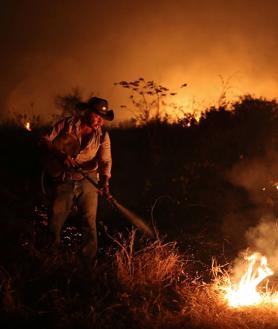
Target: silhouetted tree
[[149, 100]]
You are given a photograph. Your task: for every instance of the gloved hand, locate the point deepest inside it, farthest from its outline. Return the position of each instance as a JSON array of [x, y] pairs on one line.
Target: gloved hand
[[104, 186]]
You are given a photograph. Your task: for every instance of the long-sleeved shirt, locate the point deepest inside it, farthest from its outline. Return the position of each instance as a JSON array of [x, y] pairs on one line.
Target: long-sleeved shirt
[[96, 154]]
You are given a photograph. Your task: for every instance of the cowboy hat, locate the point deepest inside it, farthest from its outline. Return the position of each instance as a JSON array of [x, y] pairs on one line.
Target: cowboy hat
[[98, 106]]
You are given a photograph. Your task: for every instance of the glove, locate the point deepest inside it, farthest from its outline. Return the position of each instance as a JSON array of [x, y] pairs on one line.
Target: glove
[[104, 186]]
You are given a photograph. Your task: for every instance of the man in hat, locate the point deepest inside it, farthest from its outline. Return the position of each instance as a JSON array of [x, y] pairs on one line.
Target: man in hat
[[92, 154]]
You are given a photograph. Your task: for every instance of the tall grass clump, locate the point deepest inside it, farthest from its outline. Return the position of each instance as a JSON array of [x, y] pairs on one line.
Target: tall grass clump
[[151, 280]]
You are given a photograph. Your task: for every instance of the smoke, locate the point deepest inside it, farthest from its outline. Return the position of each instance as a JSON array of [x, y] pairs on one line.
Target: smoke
[[50, 47], [258, 177], [261, 240], [264, 239], [255, 228], [257, 180]]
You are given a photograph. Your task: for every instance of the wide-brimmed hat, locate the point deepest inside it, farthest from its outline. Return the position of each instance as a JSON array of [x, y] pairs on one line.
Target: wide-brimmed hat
[[98, 106]]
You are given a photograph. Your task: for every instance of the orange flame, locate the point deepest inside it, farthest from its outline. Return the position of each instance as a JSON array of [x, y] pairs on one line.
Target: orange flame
[[28, 125], [246, 293]]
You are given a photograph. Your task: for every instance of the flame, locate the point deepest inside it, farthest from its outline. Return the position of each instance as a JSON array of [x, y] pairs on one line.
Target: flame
[[246, 293], [28, 125]]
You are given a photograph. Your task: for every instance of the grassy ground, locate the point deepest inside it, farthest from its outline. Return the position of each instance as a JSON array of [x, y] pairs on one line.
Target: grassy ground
[[136, 284]]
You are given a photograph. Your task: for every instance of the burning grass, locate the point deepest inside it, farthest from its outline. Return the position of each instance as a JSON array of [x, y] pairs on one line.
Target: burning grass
[[208, 309], [136, 284], [211, 305], [172, 298]]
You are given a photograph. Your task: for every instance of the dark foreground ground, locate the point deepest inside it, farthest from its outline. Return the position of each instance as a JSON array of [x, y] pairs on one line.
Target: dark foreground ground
[[203, 186]]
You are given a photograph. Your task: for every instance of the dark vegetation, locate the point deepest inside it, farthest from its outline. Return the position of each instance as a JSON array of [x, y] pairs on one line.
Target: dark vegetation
[[185, 177]]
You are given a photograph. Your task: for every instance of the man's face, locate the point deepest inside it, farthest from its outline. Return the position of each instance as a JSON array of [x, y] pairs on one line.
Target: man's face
[[94, 120]]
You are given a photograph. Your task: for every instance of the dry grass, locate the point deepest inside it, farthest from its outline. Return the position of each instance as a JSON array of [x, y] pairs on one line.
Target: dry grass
[[159, 294], [145, 286], [151, 282]]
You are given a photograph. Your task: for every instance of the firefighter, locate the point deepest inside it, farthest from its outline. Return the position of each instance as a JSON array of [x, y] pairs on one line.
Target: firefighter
[[75, 142]]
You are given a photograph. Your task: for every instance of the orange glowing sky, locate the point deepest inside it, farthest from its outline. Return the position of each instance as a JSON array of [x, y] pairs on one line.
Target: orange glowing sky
[[50, 47]]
